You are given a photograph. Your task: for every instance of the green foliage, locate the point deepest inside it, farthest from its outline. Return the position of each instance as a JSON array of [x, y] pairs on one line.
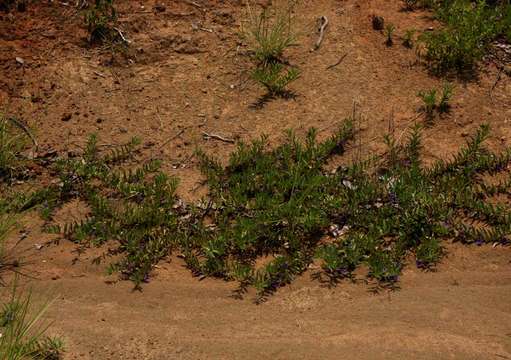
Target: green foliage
[[100, 20], [269, 30], [11, 145], [428, 253], [432, 105], [469, 29], [389, 32], [404, 208], [23, 333], [135, 207], [266, 203], [271, 212], [408, 38], [273, 77], [444, 103], [278, 204]]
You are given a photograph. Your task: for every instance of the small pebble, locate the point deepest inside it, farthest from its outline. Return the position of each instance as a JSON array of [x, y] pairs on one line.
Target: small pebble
[[66, 117], [160, 7]]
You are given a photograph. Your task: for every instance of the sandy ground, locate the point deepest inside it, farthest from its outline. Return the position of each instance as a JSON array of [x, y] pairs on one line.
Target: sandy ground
[[463, 311], [174, 84]]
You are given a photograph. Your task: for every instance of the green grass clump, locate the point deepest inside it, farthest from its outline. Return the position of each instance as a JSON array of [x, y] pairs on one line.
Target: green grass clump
[[274, 78], [12, 143], [408, 38], [268, 32], [23, 332], [433, 105], [470, 27], [389, 33], [100, 18]]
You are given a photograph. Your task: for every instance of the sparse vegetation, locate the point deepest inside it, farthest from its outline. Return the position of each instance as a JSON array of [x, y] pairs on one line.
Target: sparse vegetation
[[268, 32], [279, 205], [470, 27], [100, 18], [149, 242], [389, 33], [136, 207], [11, 145], [408, 38], [432, 104], [23, 331], [273, 77]]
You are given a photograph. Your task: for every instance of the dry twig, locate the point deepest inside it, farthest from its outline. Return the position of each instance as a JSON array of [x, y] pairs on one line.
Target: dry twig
[[217, 137], [337, 63], [322, 24]]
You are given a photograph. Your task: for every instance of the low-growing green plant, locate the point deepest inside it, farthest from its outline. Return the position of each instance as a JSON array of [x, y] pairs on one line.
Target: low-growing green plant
[[445, 98], [405, 208], [100, 18], [269, 30], [270, 212], [23, 332], [136, 207], [429, 99], [279, 203], [433, 105], [470, 26], [274, 78], [428, 253], [408, 38], [272, 203], [389, 32]]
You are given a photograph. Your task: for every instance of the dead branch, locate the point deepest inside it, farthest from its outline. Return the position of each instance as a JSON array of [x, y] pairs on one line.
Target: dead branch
[[122, 36], [338, 62], [497, 79], [173, 137], [322, 24], [217, 137]]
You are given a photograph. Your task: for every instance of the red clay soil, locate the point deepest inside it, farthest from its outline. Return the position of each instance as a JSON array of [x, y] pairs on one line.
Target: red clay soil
[[186, 73]]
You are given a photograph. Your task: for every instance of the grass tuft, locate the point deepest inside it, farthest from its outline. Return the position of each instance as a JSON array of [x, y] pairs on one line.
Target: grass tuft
[[434, 105], [23, 332], [269, 30]]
